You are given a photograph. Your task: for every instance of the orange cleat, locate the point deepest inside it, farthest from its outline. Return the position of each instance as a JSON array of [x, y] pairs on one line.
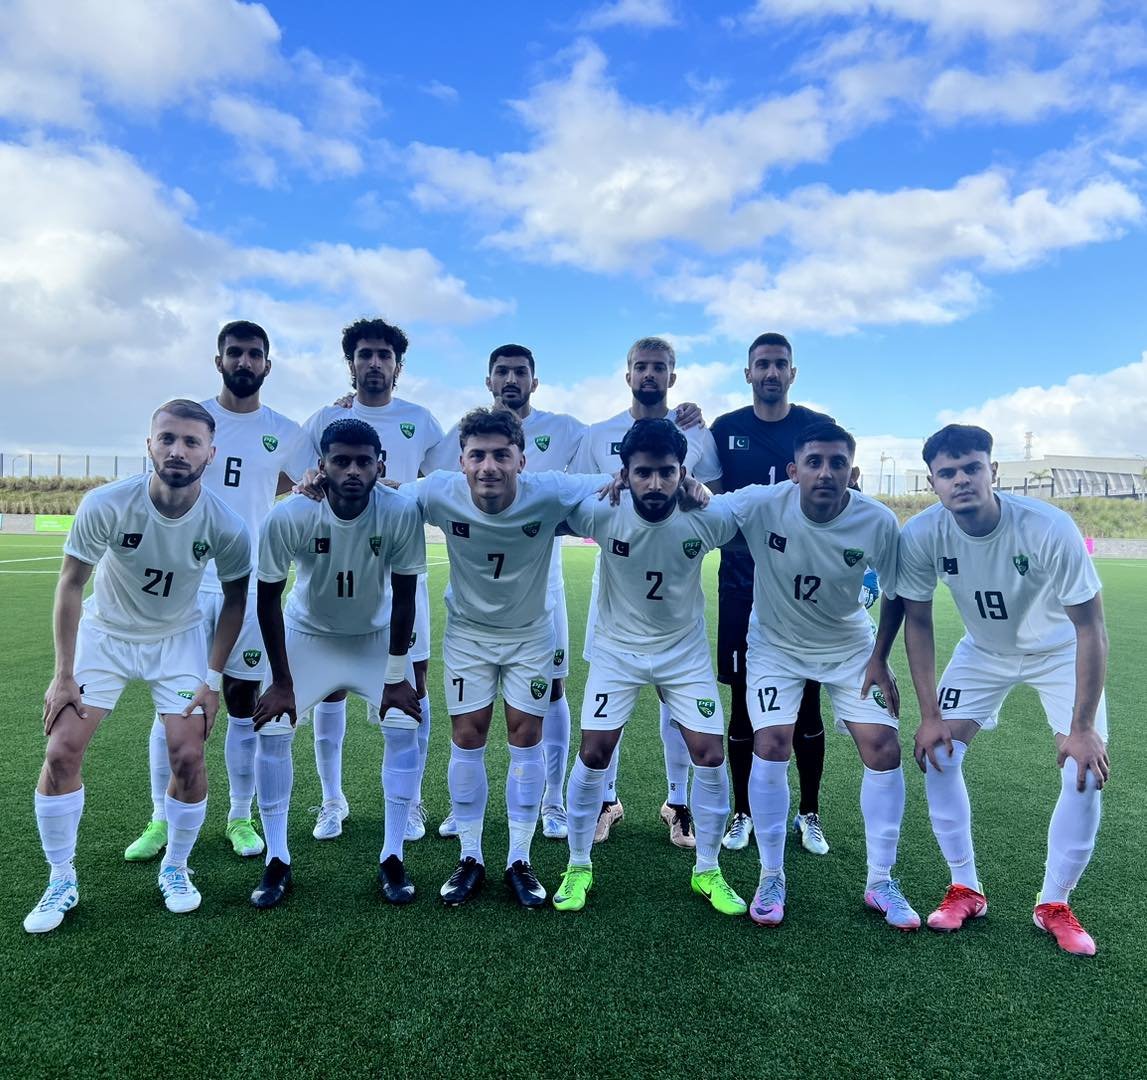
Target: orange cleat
[[958, 906], [1059, 920]]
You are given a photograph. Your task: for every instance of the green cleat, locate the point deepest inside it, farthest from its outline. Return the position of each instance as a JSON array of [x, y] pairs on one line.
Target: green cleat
[[576, 882], [712, 885], [151, 842], [244, 840]]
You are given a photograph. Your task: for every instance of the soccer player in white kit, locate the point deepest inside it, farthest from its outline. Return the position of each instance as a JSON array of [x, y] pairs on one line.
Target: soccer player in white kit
[[256, 459], [552, 440], [649, 375], [812, 541], [152, 536], [650, 631], [375, 352], [499, 525], [1030, 602], [339, 632]]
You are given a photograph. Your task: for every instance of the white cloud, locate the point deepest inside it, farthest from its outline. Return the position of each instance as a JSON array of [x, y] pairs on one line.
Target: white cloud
[[440, 90], [1015, 94], [644, 14]]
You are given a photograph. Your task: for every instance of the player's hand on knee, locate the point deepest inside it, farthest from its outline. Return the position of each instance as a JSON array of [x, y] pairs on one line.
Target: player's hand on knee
[[930, 734], [693, 495], [401, 696], [61, 693], [689, 415], [313, 485], [879, 675], [1087, 750], [275, 701], [207, 700]]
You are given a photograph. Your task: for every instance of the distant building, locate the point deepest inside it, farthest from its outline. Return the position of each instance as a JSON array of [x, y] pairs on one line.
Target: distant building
[[1060, 476]]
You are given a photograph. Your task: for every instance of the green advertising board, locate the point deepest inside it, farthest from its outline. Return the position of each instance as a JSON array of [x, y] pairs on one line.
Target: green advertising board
[[53, 523]]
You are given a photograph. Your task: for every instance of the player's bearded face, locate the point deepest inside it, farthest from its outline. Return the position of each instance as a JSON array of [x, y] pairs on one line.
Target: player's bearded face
[[653, 483], [770, 372], [179, 449], [351, 471], [243, 364], [649, 377], [511, 381], [823, 471], [964, 483], [375, 367]]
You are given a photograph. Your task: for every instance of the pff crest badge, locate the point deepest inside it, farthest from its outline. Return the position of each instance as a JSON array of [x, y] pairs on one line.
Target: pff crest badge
[[199, 549], [706, 706], [251, 657], [407, 430], [538, 688], [531, 528], [270, 443], [692, 548], [559, 657], [376, 544], [188, 694], [852, 556], [542, 442], [1021, 563], [878, 697]]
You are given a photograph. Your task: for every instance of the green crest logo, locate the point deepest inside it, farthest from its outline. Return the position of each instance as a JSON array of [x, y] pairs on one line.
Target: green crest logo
[[1021, 563], [852, 556], [559, 657], [692, 548], [407, 430], [538, 688], [188, 694], [542, 442], [376, 544], [199, 549], [270, 443], [532, 528], [413, 639], [706, 706], [251, 657], [878, 697]]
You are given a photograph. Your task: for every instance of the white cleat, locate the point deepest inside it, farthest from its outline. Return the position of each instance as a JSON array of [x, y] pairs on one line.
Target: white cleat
[[740, 829], [415, 823], [332, 814], [59, 898], [812, 835], [179, 894], [449, 827], [554, 824]]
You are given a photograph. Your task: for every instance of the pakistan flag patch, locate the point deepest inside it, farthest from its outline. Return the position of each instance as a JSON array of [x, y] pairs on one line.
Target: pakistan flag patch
[[199, 549], [878, 697], [531, 528], [706, 706], [251, 657], [376, 544], [542, 442], [1021, 563], [407, 430], [270, 443], [692, 548], [538, 688], [852, 556]]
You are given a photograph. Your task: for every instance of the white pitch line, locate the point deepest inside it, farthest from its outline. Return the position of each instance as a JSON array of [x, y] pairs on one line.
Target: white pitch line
[[52, 572], [36, 558]]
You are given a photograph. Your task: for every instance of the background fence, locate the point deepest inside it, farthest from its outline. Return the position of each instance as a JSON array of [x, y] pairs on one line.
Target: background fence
[[110, 466]]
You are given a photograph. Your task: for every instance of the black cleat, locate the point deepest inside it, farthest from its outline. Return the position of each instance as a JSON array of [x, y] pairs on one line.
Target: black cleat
[[524, 884], [275, 885], [469, 876], [396, 887]]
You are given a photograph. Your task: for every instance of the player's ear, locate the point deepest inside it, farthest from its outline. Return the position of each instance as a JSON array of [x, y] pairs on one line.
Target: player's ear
[[219, 364], [534, 385], [930, 484], [791, 469], [854, 477], [748, 375], [995, 468], [672, 377], [488, 386], [211, 453], [628, 372], [793, 376]]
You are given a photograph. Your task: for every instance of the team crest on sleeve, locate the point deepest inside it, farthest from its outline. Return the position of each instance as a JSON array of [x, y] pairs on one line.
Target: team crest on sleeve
[[738, 442], [407, 430], [542, 442], [531, 528], [618, 547], [376, 544], [270, 443], [559, 657], [852, 556], [460, 528], [321, 545], [777, 542], [413, 639], [692, 548], [706, 706], [1020, 562], [251, 657], [878, 697], [130, 540], [949, 566], [538, 688], [199, 549]]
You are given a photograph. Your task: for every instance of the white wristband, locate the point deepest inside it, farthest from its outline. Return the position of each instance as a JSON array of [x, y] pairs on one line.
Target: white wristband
[[395, 669], [214, 680]]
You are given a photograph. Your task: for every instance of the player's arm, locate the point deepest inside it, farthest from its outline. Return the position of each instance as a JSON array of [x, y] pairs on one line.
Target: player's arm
[[878, 673], [920, 644], [397, 693], [279, 697], [284, 486], [1083, 743], [63, 690]]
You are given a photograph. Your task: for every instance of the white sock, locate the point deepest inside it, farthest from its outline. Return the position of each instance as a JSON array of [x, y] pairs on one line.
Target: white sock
[[58, 819], [1071, 835], [184, 820], [951, 814], [524, 781], [399, 782], [239, 756], [466, 779], [274, 777], [423, 743], [882, 807], [709, 801], [556, 744], [769, 805], [584, 796], [159, 769], [676, 759], [609, 790], [330, 730]]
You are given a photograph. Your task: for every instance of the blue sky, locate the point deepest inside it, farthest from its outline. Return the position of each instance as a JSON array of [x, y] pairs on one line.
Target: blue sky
[[939, 201]]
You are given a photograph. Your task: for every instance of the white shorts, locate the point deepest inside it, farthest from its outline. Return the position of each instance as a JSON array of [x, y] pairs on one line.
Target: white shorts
[[174, 667], [420, 639], [474, 671], [975, 684], [248, 659], [684, 675], [561, 634], [775, 682]]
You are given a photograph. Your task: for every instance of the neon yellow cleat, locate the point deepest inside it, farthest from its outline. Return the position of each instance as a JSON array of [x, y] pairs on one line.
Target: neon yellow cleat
[[576, 883], [244, 840], [712, 885], [151, 842]]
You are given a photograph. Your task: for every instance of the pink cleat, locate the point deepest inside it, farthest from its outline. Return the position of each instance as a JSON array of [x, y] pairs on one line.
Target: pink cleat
[[768, 906], [1059, 920], [958, 906]]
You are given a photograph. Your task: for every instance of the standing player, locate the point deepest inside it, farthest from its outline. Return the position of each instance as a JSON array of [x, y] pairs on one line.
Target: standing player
[[375, 352], [1029, 598], [255, 460], [650, 631], [499, 527], [755, 445], [152, 536], [649, 374], [811, 541], [349, 550], [552, 440]]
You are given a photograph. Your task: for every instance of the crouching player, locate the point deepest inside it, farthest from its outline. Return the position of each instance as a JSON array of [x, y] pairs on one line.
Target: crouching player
[[650, 631], [350, 549], [812, 541], [152, 536]]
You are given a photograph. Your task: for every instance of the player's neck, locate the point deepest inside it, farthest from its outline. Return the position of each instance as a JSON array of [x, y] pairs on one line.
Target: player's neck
[[771, 411], [347, 509], [375, 401], [648, 412], [983, 521], [823, 515], [231, 403], [172, 502]]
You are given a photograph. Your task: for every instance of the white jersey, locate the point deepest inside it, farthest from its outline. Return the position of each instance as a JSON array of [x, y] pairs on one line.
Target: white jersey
[[251, 449], [151, 566], [342, 568], [807, 577], [499, 562], [650, 594], [601, 446], [408, 433], [1010, 586]]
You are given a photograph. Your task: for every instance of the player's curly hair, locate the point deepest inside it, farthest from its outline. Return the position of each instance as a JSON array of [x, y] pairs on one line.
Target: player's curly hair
[[372, 330], [956, 440], [824, 431], [350, 432], [658, 438], [491, 422]]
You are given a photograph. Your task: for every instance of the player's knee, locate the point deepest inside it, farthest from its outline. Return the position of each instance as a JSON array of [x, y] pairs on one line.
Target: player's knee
[[62, 760], [595, 753], [708, 754], [186, 761], [882, 752], [773, 744]]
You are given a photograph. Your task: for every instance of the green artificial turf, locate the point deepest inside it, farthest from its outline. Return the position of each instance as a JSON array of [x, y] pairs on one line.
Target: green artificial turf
[[647, 981]]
